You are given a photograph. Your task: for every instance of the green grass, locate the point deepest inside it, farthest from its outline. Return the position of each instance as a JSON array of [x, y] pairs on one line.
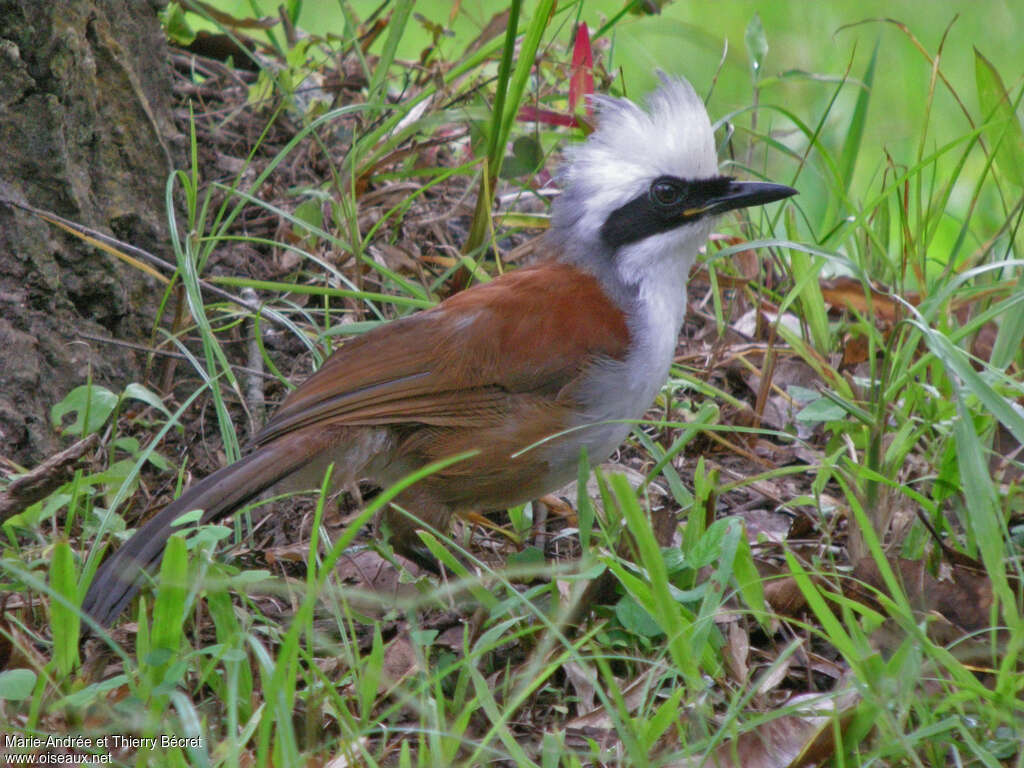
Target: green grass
[[909, 653]]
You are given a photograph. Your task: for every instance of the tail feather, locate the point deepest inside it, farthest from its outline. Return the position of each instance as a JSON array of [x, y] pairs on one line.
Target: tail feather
[[219, 494]]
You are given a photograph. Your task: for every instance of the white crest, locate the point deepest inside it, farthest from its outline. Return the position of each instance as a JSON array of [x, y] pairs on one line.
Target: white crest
[[631, 147]]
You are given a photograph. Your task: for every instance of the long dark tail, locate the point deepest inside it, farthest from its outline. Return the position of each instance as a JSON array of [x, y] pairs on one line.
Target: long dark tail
[[219, 494]]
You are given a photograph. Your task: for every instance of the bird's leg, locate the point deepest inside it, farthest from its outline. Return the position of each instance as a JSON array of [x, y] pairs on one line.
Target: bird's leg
[[413, 509]]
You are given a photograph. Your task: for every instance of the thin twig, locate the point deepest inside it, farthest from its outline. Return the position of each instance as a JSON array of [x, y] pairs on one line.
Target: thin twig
[[254, 394], [161, 352]]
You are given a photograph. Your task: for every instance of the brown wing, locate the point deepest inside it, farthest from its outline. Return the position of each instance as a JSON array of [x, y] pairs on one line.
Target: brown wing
[[530, 331]]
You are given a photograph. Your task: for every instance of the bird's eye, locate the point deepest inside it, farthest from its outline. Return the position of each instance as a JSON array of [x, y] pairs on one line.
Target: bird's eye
[[664, 193]]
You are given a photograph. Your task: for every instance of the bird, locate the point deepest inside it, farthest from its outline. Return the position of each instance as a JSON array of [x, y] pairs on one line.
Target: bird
[[527, 370]]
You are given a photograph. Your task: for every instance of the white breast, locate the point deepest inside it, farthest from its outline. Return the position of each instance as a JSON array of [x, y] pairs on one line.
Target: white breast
[[656, 269]]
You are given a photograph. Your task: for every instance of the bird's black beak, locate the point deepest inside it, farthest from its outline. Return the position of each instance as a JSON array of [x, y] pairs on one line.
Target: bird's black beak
[[743, 194]]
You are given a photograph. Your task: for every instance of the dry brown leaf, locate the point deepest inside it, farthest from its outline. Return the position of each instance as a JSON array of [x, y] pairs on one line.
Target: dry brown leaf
[[367, 571], [775, 675], [748, 324], [780, 589], [400, 661], [789, 741], [738, 651], [848, 293], [583, 684], [394, 258], [349, 757], [634, 694], [962, 595], [855, 350], [765, 525]]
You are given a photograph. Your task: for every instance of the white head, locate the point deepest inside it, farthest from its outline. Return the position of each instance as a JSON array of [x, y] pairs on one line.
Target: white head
[[640, 194], [631, 148]]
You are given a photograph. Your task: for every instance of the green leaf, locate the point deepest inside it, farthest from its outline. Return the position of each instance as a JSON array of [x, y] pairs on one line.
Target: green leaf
[[119, 478], [244, 579], [64, 618], [855, 133], [87, 695], [137, 391], [400, 13], [129, 445], [960, 367], [187, 518], [309, 211], [527, 156], [17, 684], [1010, 338], [171, 591], [1002, 128], [663, 607], [820, 410], [208, 535], [530, 557], [984, 515], [802, 394], [708, 547], [176, 26], [368, 681], [92, 406], [757, 44], [806, 273], [748, 580], [584, 506], [635, 618]]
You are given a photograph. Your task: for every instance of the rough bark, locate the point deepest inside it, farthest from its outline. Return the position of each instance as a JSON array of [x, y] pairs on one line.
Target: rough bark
[[85, 132]]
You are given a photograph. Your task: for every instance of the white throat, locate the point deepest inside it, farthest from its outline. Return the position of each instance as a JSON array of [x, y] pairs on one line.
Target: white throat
[[653, 273], [658, 267]]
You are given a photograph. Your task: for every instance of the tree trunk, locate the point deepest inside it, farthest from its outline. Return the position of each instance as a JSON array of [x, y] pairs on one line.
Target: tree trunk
[[85, 132]]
